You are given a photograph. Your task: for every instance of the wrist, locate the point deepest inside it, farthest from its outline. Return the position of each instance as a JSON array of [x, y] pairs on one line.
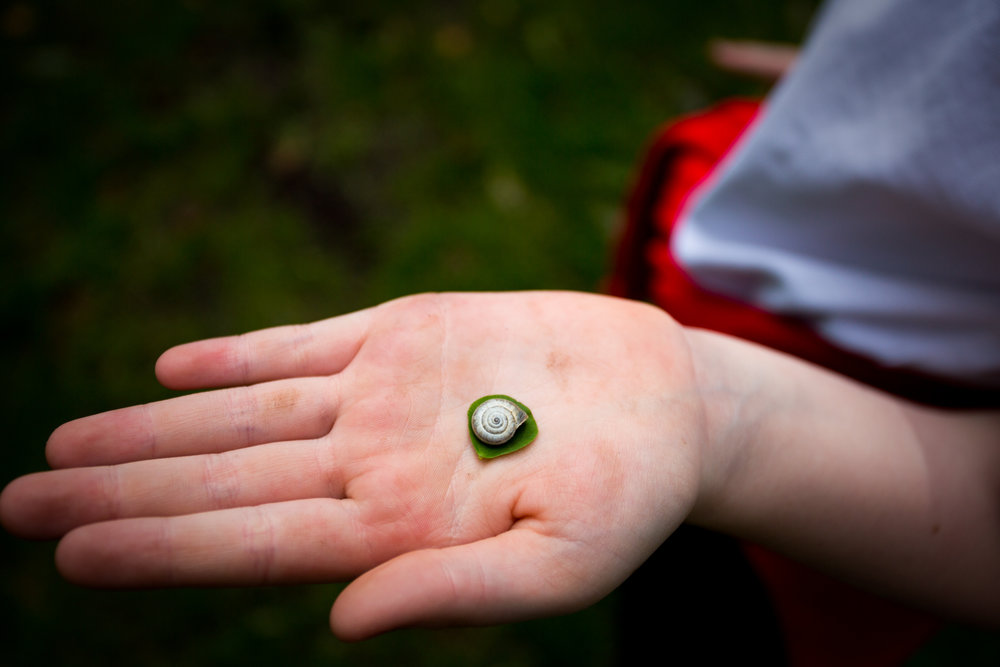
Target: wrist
[[731, 395]]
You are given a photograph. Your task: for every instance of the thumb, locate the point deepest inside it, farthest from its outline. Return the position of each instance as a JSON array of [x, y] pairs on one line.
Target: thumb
[[517, 575]]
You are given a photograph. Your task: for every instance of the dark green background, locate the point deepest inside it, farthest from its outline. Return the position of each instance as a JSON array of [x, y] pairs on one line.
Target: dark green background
[[173, 171]]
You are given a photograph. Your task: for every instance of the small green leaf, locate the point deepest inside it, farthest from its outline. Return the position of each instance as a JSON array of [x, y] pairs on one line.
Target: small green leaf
[[522, 437]]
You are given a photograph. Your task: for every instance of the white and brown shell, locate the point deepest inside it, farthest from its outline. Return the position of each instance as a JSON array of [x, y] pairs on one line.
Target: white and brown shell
[[496, 420]]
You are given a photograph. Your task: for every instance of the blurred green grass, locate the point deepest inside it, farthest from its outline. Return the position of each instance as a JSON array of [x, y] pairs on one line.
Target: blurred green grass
[[173, 171]]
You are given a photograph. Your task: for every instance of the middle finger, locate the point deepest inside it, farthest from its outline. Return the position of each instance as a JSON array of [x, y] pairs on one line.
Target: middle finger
[[50, 504]]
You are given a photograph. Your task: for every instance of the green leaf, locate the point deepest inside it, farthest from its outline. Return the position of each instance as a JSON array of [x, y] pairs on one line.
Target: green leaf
[[522, 437]]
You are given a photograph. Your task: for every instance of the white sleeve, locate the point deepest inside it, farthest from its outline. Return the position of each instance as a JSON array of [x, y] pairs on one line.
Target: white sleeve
[[867, 198]]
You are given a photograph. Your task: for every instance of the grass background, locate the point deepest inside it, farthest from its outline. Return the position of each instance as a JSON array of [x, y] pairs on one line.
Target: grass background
[[178, 170]]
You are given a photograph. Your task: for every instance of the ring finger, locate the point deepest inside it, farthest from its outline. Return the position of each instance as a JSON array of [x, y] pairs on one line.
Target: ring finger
[[213, 421]]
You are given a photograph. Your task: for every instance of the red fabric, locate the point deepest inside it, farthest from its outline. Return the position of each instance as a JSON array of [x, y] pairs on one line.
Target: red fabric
[[824, 621], [682, 157]]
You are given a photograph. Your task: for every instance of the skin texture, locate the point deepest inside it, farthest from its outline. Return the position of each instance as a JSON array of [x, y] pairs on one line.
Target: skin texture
[[894, 497], [341, 452]]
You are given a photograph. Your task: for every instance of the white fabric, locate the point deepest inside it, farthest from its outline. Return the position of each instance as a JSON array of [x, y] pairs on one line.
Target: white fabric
[[867, 199]]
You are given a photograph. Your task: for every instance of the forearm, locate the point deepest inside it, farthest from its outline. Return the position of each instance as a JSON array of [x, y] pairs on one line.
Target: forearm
[[897, 498]]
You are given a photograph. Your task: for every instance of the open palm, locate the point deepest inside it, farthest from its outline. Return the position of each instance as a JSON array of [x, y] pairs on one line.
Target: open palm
[[341, 449]]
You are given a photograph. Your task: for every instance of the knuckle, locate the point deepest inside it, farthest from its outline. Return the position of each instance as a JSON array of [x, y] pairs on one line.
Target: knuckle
[[221, 481], [242, 411], [259, 544]]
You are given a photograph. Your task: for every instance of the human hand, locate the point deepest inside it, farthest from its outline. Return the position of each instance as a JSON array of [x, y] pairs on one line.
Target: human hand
[[342, 449], [764, 60]]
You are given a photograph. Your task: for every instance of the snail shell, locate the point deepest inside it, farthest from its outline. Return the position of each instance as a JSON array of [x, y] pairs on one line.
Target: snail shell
[[495, 421]]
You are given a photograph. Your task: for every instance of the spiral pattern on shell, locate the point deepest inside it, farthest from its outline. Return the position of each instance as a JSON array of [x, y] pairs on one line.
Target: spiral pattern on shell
[[495, 421]]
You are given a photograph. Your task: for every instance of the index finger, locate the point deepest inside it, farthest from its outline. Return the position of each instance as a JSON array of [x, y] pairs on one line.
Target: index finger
[[319, 348], [311, 540]]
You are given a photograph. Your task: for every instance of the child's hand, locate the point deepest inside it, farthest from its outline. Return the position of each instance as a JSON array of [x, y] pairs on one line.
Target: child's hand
[[343, 450]]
